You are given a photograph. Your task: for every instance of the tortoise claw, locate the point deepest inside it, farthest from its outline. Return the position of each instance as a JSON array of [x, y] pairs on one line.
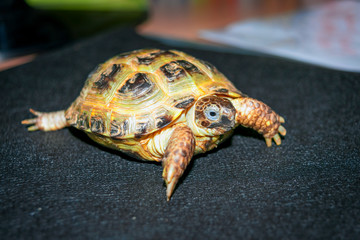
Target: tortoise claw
[[32, 121], [29, 121], [276, 137], [268, 142], [36, 113], [33, 128], [282, 130], [170, 186], [282, 120]]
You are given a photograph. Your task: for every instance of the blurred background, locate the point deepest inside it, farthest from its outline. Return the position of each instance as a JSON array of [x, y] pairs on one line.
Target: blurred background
[[321, 32]]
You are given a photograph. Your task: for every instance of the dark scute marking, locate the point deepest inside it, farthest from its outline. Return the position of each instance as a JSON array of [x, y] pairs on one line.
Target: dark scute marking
[[163, 121], [147, 60], [188, 66], [83, 121], [115, 69], [97, 124], [185, 103], [114, 129], [118, 129], [137, 86], [172, 71], [222, 90], [103, 82], [141, 129]]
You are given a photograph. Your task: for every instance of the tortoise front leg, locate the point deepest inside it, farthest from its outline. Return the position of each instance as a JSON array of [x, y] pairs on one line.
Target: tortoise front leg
[[177, 156], [257, 115]]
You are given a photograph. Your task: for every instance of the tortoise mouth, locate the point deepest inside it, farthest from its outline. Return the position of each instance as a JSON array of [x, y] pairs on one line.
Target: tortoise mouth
[[225, 123]]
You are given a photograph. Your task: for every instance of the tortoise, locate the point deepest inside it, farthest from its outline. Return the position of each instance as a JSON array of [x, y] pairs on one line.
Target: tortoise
[[161, 105]]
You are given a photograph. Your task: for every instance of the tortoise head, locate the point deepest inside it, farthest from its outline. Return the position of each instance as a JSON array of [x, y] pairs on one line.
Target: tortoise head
[[212, 115]]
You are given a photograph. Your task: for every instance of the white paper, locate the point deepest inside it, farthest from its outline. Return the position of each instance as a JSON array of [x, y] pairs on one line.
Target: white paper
[[328, 35]]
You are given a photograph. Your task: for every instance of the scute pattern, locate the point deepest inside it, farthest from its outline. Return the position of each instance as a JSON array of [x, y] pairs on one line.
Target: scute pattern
[[103, 82], [136, 93], [172, 71], [137, 86], [147, 59], [188, 66], [118, 129], [83, 121], [185, 102], [97, 124]]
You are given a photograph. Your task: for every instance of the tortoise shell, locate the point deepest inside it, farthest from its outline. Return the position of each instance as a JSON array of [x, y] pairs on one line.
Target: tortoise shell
[[137, 93]]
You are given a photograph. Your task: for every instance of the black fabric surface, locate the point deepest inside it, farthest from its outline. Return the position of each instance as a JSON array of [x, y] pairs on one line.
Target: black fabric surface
[[62, 185]]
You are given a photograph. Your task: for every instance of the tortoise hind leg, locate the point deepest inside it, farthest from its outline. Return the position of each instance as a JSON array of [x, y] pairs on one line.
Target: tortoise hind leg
[[50, 121]]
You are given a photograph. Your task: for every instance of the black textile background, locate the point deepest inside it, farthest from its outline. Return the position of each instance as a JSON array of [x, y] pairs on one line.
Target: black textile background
[[62, 185]]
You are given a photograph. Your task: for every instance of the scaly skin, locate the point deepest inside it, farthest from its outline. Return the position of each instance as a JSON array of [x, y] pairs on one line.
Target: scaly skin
[[178, 154], [257, 115]]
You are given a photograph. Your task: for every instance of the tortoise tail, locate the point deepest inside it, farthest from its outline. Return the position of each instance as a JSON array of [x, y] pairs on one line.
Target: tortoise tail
[[50, 121]]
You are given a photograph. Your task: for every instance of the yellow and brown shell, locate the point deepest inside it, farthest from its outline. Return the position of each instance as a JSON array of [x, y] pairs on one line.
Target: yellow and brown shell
[[137, 93]]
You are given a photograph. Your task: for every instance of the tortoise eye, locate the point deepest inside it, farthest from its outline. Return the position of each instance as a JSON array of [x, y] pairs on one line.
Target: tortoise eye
[[212, 113]]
